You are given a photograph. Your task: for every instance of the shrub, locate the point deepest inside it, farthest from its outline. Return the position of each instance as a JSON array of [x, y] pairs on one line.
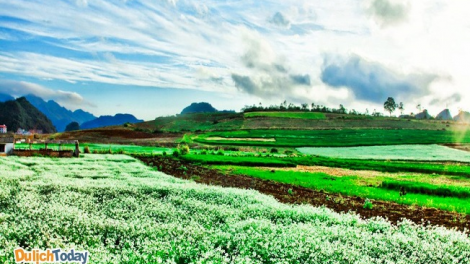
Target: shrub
[[274, 150], [368, 204], [220, 152], [164, 153], [183, 149], [86, 150], [204, 152], [176, 153]]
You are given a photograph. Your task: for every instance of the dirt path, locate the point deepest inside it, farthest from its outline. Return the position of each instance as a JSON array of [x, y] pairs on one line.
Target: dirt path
[[337, 202]]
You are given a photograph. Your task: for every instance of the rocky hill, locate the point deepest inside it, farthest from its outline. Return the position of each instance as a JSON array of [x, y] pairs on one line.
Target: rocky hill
[[20, 113]]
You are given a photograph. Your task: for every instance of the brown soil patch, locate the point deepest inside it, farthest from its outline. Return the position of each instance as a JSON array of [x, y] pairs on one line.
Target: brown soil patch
[[339, 203], [331, 171], [242, 139]]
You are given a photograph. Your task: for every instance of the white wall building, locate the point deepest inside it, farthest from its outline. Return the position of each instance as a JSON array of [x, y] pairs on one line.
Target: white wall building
[[3, 129], [6, 145]]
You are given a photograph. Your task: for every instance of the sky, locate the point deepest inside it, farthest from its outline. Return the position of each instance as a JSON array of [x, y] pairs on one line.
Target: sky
[[154, 57]]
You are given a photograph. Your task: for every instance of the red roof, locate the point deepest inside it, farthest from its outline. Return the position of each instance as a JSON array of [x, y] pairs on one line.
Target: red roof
[[3, 126]]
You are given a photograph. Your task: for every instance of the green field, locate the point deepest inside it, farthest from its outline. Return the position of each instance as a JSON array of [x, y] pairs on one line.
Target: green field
[[420, 191], [333, 138], [375, 165], [301, 115], [124, 212], [396, 152], [128, 149]]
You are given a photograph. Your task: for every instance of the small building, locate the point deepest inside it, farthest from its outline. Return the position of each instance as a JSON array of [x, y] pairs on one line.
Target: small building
[[7, 144], [3, 129]]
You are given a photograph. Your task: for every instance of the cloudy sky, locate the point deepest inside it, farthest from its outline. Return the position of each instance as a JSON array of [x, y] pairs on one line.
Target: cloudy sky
[[153, 57]]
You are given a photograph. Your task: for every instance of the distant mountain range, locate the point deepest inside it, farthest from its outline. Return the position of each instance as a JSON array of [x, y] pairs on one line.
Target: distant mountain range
[[20, 113], [59, 115], [202, 107], [118, 119], [6, 97]]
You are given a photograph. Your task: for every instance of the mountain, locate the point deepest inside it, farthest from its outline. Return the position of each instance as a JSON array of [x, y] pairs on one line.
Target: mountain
[[462, 117], [116, 120], [444, 115], [20, 113], [59, 115], [199, 108], [6, 97], [423, 115]]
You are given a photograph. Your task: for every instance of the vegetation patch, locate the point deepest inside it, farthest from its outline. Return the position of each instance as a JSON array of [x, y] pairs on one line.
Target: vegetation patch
[[336, 138], [150, 217], [300, 115], [396, 152]]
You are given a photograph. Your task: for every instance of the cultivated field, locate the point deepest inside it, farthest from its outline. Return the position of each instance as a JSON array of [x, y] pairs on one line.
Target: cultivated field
[[301, 115], [124, 212], [334, 138], [396, 152]]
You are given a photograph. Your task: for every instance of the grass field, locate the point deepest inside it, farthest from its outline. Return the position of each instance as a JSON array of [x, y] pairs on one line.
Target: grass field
[[382, 166], [124, 212], [301, 115], [442, 196], [336, 138], [129, 149], [396, 152]]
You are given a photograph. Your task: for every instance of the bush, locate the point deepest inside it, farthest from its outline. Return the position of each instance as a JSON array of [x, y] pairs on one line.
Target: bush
[[204, 152], [86, 150], [176, 153], [220, 152], [274, 150], [368, 204], [164, 153], [183, 149]]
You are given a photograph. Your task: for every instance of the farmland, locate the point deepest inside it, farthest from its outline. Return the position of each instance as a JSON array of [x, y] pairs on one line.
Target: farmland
[[335, 138], [242, 193], [301, 115], [124, 212], [101, 148], [397, 152]]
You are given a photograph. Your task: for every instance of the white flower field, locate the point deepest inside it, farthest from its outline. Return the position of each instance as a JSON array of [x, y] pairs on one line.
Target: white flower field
[[124, 212]]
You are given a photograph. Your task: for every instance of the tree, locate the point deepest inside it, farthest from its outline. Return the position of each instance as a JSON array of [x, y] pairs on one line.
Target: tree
[[401, 107], [72, 126], [342, 110], [304, 107], [418, 107], [390, 105]]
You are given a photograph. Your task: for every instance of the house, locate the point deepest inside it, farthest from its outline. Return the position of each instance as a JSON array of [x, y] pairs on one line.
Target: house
[[23, 132], [3, 129], [6, 145]]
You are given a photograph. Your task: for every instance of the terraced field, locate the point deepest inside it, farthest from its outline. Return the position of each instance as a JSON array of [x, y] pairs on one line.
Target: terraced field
[[334, 138]]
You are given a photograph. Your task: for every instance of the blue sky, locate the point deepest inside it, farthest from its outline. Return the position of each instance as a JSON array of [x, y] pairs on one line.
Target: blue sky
[[154, 57]]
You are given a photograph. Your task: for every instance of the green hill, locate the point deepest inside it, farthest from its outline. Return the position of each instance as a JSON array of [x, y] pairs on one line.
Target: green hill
[[21, 114]]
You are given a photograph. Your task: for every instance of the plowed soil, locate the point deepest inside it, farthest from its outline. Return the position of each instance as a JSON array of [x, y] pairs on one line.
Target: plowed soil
[[392, 211]]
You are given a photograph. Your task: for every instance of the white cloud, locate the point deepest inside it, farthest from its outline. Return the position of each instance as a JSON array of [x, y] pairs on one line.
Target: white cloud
[[17, 89], [199, 45]]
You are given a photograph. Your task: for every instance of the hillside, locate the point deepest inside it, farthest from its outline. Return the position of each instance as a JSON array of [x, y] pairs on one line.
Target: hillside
[[199, 108], [21, 114], [104, 121], [59, 115]]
